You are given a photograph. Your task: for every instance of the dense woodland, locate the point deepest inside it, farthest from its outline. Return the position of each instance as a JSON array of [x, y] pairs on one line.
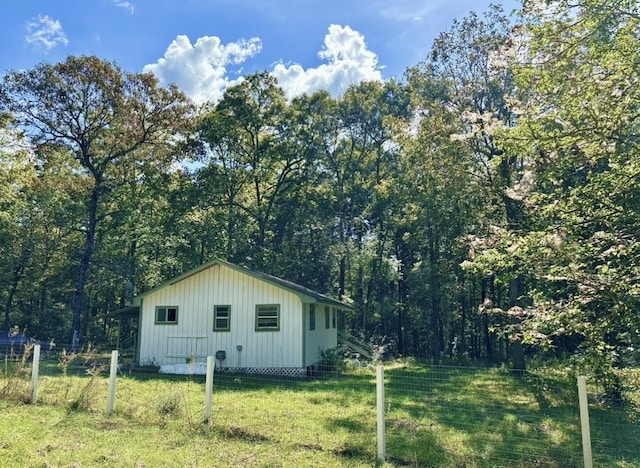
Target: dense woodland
[[486, 206]]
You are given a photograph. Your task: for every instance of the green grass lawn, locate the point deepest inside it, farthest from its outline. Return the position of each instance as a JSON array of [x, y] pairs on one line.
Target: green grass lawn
[[449, 417]]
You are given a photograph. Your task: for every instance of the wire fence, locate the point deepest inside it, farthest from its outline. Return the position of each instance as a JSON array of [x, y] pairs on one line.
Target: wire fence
[[476, 417], [432, 415]]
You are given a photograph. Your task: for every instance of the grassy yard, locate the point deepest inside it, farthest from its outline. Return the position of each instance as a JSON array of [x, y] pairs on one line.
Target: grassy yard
[[449, 417]]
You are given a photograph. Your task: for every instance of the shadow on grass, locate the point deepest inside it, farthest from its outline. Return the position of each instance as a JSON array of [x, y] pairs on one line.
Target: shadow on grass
[[253, 381], [615, 436], [354, 452], [357, 426], [479, 416], [357, 448], [241, 433]]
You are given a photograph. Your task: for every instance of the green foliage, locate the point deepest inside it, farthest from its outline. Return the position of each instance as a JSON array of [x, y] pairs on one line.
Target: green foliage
[[488, 202], [333, 361], [252, 160], [116, 127], [577, 131]]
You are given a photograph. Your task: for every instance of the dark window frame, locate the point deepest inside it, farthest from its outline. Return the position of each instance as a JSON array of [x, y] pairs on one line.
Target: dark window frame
[[265, 314], [312, 316], [216, 309], [167, 313]]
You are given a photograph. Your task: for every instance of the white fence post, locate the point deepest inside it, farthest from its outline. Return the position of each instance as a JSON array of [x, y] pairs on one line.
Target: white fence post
[[584, 422], [35, 369], [380, 411], [208, 400], [112, 381]]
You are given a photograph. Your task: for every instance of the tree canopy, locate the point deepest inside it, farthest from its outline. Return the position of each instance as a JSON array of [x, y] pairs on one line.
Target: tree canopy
[[484, 207], [114, 125]]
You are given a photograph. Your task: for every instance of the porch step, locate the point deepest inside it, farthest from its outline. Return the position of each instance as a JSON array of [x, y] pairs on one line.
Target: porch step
[[350, 343]]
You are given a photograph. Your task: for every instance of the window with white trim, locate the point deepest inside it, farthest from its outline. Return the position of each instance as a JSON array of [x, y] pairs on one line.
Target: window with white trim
[[327, 318]]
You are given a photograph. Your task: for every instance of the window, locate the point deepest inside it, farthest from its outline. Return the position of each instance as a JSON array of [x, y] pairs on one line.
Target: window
[[312, 316], [333, 319], [221, 318], [268, 317], [327, 310], [167, 315]]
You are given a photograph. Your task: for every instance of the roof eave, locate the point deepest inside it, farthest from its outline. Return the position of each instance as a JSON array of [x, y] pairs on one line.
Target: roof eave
[[129, 309], [305, 298]]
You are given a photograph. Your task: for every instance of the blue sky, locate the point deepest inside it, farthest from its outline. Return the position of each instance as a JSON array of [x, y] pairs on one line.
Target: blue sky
[[206, 45]]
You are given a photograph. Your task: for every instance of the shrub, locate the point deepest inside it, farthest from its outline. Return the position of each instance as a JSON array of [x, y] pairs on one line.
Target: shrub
[[87, 392], [332, 361], [169, 405]]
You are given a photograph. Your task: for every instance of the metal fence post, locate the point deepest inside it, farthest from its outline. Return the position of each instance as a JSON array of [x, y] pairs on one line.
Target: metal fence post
[[112, 381], [380, 412], [584, 422], [35, 369], [208, 400]]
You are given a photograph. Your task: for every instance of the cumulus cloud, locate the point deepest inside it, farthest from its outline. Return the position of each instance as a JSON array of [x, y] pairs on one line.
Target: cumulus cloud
[[124, 4], [349, 61], [200, 69], [44, 33]]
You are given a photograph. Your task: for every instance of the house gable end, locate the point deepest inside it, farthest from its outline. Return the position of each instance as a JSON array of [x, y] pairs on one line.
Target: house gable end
[[306, 295]]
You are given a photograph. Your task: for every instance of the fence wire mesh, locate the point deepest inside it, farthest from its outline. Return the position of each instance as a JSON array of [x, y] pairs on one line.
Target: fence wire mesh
[[477, 417], [614, 428], [434, 416]]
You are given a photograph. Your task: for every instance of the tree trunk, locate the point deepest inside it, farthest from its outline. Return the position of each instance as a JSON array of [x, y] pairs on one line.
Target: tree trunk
[[401, 345], [341, 279], [461, 345], [230, 230], [488, 343], [517, 353], [17, 275], [434, 280], [89, 243], [517, 350]]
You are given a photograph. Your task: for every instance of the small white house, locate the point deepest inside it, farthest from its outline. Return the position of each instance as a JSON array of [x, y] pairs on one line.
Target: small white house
[[248, 320]]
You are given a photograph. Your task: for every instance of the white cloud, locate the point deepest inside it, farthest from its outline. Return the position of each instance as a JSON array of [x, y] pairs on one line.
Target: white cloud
[[44, 33], [200, 69], [124, 4], [349, 61]]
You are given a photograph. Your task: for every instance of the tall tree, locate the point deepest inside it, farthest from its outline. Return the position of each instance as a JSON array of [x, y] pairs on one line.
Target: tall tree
[[439, 198], [17, 175], [110, 121], [467, 75], [302, 241], [253, 160], [577, 71], [361, 156]]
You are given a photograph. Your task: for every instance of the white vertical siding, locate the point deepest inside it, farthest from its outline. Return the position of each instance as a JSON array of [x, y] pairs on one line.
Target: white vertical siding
[[321, 338], [195, 297]]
